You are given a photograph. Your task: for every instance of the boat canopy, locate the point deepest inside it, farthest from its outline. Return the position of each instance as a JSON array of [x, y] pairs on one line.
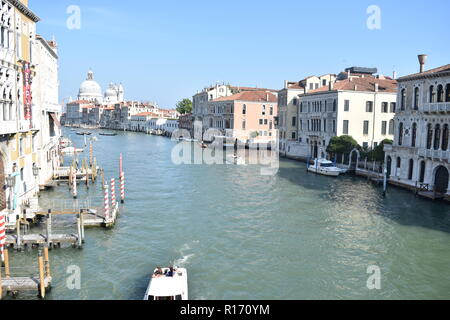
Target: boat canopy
[[166, 287]]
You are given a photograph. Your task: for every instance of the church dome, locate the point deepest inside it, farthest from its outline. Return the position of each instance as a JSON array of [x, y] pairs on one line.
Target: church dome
[[90, 89], [110, 92]]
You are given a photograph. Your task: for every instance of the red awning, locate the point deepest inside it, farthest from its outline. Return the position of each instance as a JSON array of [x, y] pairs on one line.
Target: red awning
[[55, 119]]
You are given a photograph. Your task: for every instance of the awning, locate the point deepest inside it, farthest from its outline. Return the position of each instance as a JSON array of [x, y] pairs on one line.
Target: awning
[[55, 119]]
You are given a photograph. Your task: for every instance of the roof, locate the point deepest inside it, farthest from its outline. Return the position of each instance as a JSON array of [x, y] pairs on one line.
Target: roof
[[145, 114], [80, 102], [361, 84], [432, 72], [25, 10], [251, 89], [256, 96]]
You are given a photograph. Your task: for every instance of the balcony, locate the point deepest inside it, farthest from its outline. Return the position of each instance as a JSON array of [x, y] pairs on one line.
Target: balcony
[[441, 107], [8, 127], [434, 154]]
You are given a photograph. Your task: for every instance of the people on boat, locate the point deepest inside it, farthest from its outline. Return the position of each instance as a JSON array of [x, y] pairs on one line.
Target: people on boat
[[170, 273], [158, 273]]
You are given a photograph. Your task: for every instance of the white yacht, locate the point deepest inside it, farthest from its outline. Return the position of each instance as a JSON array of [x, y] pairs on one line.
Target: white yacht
[[324, 167], [165, 285]]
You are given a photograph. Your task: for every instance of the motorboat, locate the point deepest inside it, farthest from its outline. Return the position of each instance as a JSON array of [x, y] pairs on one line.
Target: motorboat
[[84, 133], [71, 150], [110, 134], [324, 167], [167, 284]]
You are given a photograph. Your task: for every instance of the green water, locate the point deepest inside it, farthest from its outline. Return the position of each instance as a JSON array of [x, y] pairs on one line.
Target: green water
[[242, 235]]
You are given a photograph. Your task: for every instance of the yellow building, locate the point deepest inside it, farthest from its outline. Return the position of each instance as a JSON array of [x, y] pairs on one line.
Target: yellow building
[[17, 126]]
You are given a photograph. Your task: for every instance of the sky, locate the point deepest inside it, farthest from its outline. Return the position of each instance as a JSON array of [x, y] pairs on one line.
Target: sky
[[164, 51]]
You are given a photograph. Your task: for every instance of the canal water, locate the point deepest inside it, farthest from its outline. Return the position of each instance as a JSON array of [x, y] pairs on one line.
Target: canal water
[[242, 235]]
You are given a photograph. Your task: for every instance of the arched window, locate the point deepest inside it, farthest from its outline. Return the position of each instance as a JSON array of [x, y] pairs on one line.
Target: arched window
[[334, 105], [414, 135], [399, 163], [429, 136], [403, 101], [440, 93], [416, 98], [445, 138], [400, 134], [244, 109], [447, 93], [411, 169], [422, 172], [431, 94], [437, 137]]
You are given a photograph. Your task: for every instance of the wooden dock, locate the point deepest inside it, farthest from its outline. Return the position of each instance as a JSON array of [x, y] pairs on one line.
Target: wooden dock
[[40, 283], [93, 219]]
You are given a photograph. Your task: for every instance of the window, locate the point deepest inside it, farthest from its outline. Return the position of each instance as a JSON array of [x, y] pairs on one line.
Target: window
[[311, 86], [403, 100], [324, 82], [445, 138], [244, 109], [447, 93], [334, 126], [384, 107], [384, 128], [346, 123], [365, 145], [399, 163], [432, 94], [393, 107], [294, 121], [366, 128], [293, 136], [271, 111], [440, 93], [263, 110], [325, 125], [347, 105], [437, 137], [334, 105], [400, 134], [411, 169], [265, 122], [414, 135], [261, 122], [391, 127], [369, 106], [416, 98], [295, 101]]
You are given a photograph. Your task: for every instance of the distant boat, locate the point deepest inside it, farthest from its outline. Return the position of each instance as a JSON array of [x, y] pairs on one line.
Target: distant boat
[[111, 134], [84, 133], [166, 286]]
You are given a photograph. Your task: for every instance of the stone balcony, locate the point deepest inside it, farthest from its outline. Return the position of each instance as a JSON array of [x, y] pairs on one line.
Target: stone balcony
[[441, 107], [8, 127], [434, 154]]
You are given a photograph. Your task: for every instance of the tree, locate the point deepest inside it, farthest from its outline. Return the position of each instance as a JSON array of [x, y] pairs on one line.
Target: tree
[[184, 106], [342, 145], [377, 154]]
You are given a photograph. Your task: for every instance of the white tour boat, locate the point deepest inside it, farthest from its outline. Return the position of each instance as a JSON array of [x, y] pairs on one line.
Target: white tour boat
[[324, 167], [166, 286]]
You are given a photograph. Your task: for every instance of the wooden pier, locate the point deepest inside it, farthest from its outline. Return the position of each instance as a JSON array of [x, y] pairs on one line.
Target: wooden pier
[[41, 283], [47, 238], [93, 219]]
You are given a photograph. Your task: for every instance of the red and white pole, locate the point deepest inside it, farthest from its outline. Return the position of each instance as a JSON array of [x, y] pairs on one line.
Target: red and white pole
[[2, 234], [121, 164], [106, 202], [113, 193], [122, 187], [74, 184]]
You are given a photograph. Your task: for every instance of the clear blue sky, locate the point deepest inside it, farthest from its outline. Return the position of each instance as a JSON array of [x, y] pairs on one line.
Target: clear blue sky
[[164, 51]]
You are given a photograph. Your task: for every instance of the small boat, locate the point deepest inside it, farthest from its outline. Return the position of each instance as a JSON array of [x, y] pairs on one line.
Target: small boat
[[111, 134], [166, 286], [71, 150], [324, 167], [84, 133]]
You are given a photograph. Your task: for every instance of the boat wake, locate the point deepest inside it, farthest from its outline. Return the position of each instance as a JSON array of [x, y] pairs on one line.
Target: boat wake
[[186, 254]]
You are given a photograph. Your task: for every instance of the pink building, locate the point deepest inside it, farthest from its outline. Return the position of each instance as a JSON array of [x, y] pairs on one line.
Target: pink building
[[248, 116]]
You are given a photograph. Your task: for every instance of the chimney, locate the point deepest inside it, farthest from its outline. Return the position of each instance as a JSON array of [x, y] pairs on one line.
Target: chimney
[[331, 86], [377, 87], [422, 60], [285, 84], [394, 75]]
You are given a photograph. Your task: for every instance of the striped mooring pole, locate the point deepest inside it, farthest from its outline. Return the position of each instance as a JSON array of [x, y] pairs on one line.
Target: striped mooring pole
[[74, 184], [122, 187], [2, 234], [106, 203], [113, 193]]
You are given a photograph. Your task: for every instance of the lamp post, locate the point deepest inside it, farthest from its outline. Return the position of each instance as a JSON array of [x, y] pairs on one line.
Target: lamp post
[[11, 183], [36, 174]]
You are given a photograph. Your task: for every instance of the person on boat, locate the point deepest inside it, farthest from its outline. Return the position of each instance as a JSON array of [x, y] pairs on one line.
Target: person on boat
[[170, 273], [158, 273]]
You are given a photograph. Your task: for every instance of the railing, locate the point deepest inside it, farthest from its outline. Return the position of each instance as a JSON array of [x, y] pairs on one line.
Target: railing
[[443, 107]]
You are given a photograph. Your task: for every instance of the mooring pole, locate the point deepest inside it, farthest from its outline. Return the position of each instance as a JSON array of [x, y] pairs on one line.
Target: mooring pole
[[18, 232], [385, 181], [49, 228], [41, 276], [7, 271], [47, 262], [80, 240], [82, 225]]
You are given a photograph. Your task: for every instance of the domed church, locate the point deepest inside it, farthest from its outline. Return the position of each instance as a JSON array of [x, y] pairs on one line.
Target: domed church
[[91, 91]]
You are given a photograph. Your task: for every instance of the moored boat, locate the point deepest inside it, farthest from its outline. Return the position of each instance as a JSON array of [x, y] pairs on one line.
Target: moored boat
[[168, 284], [324, 167], [110, 134]]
